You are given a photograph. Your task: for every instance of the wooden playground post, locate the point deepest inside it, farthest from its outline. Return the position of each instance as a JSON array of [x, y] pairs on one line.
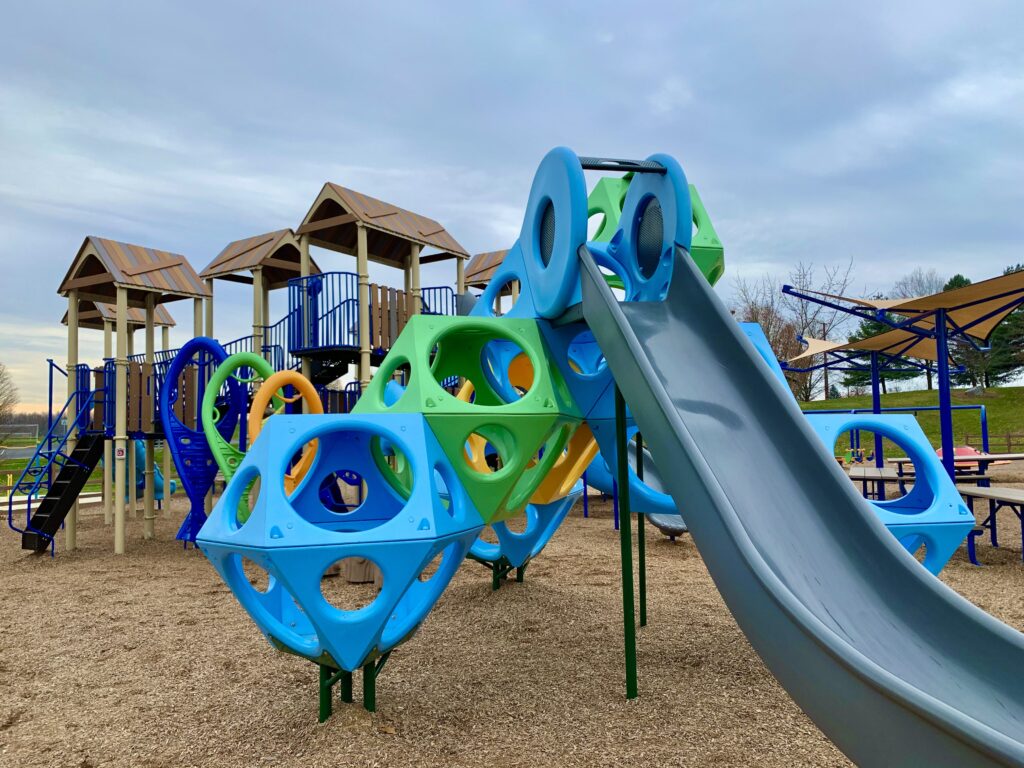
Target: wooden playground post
[[307, 364], [108, 449], [166, 339], [363, 273], [414, 279], [149, 501], [197, 327], [71, 522], [209, 309], [120, 418], [257, 311], [460, 274]]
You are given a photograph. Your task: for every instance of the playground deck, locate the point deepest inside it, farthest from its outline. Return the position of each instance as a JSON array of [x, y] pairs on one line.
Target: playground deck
[[174, 688]]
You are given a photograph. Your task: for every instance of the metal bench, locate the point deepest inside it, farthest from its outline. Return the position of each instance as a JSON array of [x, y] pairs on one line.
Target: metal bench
[[998, 498]]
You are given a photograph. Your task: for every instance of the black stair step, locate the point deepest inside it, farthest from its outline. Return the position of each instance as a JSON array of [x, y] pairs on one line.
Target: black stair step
[[66, 487]]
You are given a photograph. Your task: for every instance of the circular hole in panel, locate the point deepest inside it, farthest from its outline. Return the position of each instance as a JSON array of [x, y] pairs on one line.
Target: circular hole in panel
[[342, 491], [398, 369], [489, 449], [858, 453], [595, 224], [256, 575], [350, 584], [476, 354], [432, 567], [585, 356], [650, 233], [546, 233], [517, 523]]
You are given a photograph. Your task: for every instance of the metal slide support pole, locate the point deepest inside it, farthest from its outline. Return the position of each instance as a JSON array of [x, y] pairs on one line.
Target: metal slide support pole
[[626, 547], [641, 535], [370, 687], [945, 401], [586, 493]]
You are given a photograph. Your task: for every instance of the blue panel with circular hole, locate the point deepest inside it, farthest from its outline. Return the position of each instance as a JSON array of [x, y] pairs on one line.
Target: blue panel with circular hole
[[931, 514]]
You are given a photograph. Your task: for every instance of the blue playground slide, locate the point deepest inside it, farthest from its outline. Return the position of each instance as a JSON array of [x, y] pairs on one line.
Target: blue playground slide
[[895, 667]]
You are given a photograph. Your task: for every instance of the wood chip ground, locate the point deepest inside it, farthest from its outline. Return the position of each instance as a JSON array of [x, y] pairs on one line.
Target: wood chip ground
[[146, 660]]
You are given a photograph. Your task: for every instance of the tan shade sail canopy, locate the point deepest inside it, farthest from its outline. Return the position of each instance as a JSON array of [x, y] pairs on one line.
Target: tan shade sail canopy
[[92, 314], [895, 342], [334, 217], [963, 306], [481, 268], [275, 253], [102, 266]]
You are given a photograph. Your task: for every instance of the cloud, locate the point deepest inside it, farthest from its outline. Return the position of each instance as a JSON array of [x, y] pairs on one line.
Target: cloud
[[673, 94]]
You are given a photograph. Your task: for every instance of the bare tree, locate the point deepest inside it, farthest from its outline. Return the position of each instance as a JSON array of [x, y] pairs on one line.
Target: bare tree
[[920, 282], [8, 395], [784, 318]]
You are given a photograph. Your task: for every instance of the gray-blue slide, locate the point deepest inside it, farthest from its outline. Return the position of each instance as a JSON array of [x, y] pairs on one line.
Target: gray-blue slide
[[894, 667]]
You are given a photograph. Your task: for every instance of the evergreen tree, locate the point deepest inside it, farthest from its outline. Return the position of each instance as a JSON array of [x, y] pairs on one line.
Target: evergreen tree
[[867, 329]]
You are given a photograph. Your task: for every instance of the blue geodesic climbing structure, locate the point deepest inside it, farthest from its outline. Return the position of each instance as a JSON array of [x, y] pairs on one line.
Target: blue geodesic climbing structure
[[402, 525]]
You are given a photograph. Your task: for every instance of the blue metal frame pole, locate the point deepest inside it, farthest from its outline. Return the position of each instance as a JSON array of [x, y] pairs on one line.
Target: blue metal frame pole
[[945, 398]]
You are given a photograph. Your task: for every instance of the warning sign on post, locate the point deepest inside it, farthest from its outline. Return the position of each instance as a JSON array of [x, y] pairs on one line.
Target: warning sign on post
[[119, 452]]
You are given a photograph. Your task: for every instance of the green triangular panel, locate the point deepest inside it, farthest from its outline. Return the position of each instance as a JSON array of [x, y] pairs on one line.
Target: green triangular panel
[[516, 439]]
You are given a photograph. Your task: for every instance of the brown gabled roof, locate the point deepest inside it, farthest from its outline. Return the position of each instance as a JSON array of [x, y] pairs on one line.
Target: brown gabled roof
[[276, 253], [332, 222], [481, 268], [103, 265], [91, 314]]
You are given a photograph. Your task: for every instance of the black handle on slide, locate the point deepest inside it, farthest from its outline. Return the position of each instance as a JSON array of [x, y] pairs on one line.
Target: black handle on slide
[[617, 164]]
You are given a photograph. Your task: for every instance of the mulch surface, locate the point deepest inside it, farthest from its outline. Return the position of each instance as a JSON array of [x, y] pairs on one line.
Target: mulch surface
[[147, 660]]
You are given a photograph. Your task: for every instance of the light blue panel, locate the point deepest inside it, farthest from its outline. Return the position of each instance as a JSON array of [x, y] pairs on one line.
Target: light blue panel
[[932, 513], [542, 520], [755, 333], [600, 474]]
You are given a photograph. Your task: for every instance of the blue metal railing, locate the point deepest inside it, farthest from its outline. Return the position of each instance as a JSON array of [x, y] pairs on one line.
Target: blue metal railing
[[438, 300], [323, 310], [50, 453]]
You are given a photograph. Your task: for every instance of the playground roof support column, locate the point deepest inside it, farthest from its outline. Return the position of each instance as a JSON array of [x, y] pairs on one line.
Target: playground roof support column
[[460, 274], [120, 419], [71, 522], [209, 309], [414, 279], [108, 449], [304, 267], [945, 399], [257, 311], [265, 309], [165, 340], [363, 271], [149, 497], [876, 406]]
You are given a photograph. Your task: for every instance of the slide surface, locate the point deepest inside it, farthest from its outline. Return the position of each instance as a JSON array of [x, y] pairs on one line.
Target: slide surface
[[894, 667]]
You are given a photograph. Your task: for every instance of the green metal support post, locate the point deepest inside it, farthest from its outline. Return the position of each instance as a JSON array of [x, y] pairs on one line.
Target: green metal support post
[[370, 687], [346, 687], [626, 546], [641, 535]]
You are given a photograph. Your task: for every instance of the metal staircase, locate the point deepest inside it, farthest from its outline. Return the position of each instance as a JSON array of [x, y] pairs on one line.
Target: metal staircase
[[59, 468]]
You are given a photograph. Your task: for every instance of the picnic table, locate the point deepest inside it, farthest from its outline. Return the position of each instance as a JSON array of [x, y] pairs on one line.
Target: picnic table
[[878, 476], [998, 498]]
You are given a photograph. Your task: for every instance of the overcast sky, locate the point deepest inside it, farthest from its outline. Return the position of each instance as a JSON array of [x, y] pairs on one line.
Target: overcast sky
[[892, 135]]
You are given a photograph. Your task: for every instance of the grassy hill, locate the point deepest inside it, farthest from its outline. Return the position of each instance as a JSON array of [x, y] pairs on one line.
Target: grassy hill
[[1004, 407]]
